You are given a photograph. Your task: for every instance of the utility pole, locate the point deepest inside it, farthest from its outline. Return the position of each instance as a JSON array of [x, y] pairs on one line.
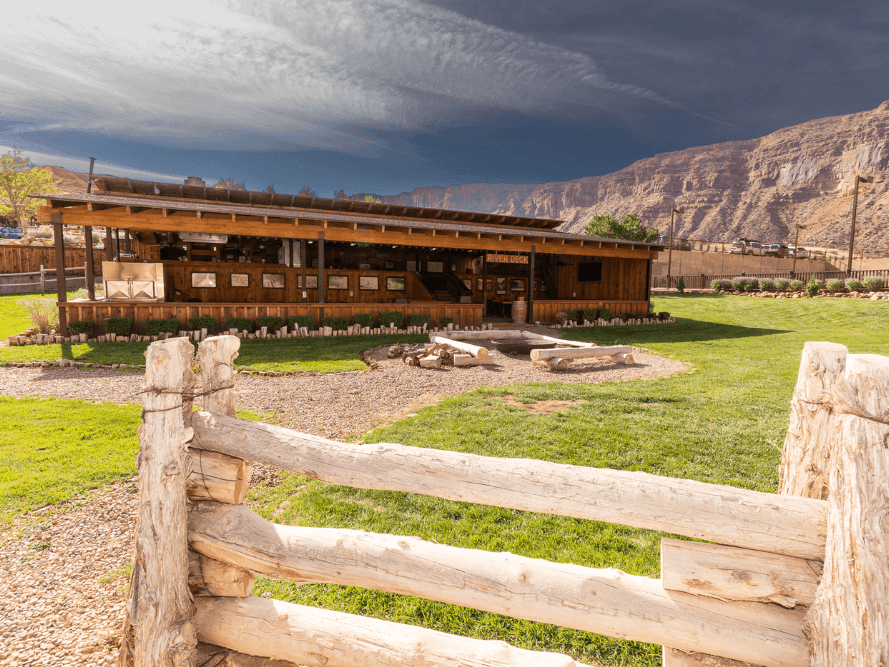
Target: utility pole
[[673, 213], [858, 179]]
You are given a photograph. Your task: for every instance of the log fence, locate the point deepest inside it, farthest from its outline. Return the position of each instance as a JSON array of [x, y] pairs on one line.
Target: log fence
[[753, 595]]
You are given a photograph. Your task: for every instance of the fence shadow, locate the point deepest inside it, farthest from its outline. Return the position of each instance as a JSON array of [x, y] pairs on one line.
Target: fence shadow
[[684, 330]]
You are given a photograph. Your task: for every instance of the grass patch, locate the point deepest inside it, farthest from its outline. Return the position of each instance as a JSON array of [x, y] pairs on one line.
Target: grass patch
[[70, 447], [306, 355], [723, 424], [13, 318]]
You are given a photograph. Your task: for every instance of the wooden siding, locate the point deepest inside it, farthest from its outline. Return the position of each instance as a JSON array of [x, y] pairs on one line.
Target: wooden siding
[[623, 279], [27, 259], [141, 311]]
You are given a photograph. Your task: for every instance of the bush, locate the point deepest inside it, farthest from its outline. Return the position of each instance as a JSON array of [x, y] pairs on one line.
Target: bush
[[813, 287], [740, 283], [767, 284], [752, 284], [239, 323], [338, 323], [417, 320], [300, 321], [796, 285], [716, 285], [681, 284], [270, 322], [122, 326], [853, 284], [445, 321], [782, 284], [590, 314], [363, 319], [663, 315], [834, 285], [198, 323], [727, 285], [156, 327], [80, 326], [44, 312], [573, 315], [623, 316], [872, 282], [391, 318], [605, 314]]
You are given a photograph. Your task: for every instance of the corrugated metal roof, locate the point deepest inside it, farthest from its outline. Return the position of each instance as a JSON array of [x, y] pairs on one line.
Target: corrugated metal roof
[[125, 186], [330, 216]]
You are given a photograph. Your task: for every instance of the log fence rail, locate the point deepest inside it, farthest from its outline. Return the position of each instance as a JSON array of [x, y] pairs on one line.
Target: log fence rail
[[755, 597]]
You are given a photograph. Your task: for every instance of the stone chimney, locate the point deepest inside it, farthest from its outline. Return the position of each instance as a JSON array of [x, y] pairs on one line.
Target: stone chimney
[[195, 181]]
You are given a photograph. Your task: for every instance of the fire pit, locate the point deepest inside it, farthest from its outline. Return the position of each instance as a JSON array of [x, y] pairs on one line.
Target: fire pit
[[520, 345]]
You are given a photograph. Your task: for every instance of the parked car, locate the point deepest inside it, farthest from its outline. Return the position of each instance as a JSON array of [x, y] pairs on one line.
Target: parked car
[[745, 247], [776, 250], [799, 253], [10, 233]]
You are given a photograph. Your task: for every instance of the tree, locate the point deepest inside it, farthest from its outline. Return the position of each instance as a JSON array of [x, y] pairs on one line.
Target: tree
[[307, 192], [370, 199], [229, 184], [19, 179], [270, 189], [629, 229], [340, 194]]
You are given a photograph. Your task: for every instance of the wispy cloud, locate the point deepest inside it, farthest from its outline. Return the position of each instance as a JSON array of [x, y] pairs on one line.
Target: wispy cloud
[[79, 165], [251, 74]]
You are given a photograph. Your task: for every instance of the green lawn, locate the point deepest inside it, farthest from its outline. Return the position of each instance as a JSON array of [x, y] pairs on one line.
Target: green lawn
[[13, 318], [308, 355], [722, 424]]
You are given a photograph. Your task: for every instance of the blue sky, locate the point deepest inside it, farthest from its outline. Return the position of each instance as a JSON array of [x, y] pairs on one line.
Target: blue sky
[[385, 96]]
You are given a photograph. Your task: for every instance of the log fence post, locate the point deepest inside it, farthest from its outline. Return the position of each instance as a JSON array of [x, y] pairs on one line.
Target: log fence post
[[159, 630]]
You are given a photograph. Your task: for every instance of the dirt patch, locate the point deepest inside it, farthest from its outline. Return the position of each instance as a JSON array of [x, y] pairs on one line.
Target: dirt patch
[[542, 407]]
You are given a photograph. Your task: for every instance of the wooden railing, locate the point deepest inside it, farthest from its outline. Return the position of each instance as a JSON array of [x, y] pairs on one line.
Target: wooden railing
[[746, 598]]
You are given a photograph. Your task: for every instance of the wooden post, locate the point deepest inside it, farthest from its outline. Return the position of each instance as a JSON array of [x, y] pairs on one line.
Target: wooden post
[[805, 459], [89, 268], [847, 624], [117, 244], [484, 284], [531, 284], [320, 275], [109, 246], [61, 290], [159, 629], [303, 258]]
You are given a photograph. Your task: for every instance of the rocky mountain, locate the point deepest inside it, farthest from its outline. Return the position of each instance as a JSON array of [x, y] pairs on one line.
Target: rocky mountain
[[728, 190]]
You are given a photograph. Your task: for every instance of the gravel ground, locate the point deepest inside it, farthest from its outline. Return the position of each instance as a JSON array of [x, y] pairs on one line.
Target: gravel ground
[[61, 568]]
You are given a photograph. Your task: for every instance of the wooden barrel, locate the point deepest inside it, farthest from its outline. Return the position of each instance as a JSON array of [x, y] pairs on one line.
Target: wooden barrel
[[519, 312]]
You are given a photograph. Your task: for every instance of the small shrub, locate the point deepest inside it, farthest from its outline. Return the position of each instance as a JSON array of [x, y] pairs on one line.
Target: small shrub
[[239, 323], [796, 285], [853, 284], [740, 283], [122, 326], [445, 321], [391, 318], [872, 282], [834, 285], [605, 314], [561, 317], [813, 287], [590, 314], [681, 284], [300, 321], [270, 322], [198, 323], [623, 316], [716, 285], [338, 323], [727, 285], [767, 284], [782, 284], [44, 312], [363, 319], [663, 315], [574, 315], [752, 284], [80, 326], [417, 319], [156, 327]]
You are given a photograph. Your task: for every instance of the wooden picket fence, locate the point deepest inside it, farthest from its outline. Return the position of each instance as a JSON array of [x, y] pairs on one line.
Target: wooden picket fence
[[789, 580]]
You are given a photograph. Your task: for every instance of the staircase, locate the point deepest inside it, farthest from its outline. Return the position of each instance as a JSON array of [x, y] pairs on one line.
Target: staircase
[[444, 286]]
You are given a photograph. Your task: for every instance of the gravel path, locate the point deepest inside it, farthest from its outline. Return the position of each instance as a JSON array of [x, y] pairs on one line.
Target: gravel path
[[61, 568]]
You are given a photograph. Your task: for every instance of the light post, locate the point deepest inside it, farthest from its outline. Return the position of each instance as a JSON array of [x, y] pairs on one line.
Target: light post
[[673, 213], [858, 179], [795, 250]]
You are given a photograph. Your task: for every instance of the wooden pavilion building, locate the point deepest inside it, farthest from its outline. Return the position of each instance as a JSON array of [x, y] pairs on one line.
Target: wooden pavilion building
[[199, 251]]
